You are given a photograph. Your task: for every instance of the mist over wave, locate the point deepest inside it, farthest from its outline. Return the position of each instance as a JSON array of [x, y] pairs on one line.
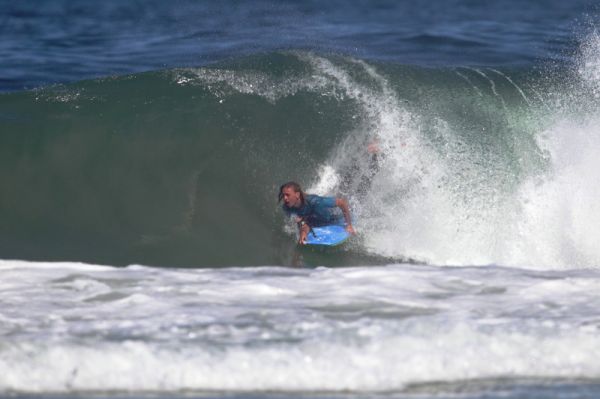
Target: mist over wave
[[181, 167], [500, 171]]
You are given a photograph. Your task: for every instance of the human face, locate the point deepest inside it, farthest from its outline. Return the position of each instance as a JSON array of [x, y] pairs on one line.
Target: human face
[[291, 198]]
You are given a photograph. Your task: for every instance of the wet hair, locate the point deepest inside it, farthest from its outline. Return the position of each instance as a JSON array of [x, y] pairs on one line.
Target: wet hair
[[293, 185]]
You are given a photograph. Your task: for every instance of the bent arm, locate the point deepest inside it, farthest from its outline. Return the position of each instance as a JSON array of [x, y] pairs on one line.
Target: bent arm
[[304, 229], [343, 205]]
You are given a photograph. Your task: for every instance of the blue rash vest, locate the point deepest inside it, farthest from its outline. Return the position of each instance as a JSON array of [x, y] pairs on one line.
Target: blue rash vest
[[317, 211]]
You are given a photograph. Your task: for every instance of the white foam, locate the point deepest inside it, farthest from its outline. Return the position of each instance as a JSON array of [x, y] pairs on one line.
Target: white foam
[[385, 365], [328, 180], [444, 201], [413, 208], [561, 213], [443, 206], [276, 329]]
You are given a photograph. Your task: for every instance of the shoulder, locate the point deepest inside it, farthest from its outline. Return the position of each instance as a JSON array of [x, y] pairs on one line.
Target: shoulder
[[319, 200]]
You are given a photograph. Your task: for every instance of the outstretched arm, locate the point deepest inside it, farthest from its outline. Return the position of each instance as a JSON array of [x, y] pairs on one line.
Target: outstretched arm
[[343, 205]]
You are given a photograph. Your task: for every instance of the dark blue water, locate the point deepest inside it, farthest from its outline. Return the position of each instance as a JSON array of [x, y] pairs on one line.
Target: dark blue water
[[44, 42]]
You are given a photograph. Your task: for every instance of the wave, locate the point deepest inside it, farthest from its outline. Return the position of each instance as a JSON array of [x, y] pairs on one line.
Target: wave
[[181, 167], [357, 331]]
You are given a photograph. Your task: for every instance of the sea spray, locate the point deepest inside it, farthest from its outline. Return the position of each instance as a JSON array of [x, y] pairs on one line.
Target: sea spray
[[182, 167], [444, 180], [560, 215], [507, 181]]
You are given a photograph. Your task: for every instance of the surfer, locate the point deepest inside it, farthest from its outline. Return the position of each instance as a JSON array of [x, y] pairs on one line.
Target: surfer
[[311, 210]]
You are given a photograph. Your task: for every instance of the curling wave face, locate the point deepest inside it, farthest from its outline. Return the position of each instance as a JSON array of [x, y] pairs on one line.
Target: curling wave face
[[181, 167]]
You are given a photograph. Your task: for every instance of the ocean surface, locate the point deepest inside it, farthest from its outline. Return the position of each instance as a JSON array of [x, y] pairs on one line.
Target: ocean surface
[[143, 253]]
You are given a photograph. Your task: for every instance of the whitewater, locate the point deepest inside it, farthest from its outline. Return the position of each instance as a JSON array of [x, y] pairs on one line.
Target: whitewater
[[144, 253], [271, 329]]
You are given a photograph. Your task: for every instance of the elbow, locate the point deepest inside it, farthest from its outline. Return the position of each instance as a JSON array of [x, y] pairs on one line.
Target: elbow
[[341, 202]]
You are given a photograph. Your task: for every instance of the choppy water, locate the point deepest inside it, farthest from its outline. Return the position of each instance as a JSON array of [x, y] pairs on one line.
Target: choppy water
[[144, 252], [396, 330], [58, 41]]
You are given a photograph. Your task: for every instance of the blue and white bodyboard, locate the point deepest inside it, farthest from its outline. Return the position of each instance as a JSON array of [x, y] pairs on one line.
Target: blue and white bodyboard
[[331, 235]]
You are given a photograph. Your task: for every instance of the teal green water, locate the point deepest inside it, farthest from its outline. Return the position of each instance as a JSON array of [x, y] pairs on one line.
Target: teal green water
[[182, 167]]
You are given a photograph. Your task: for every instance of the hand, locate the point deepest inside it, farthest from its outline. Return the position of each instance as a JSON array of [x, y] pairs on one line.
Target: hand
[[302, 239], [303, 234], [350, 229]]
